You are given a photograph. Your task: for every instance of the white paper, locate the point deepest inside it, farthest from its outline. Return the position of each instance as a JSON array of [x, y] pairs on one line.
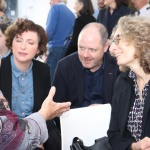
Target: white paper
[[87, 123]]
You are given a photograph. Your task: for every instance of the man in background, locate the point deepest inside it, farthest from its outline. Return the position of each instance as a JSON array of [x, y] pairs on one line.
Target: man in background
[[59, 26], [142, 7], [100, 4]]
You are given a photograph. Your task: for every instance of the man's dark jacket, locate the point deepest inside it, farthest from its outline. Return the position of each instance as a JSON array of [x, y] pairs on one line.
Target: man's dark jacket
[[69, 80]]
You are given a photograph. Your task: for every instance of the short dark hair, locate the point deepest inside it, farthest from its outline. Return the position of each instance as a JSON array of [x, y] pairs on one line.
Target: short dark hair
[[87, 7]]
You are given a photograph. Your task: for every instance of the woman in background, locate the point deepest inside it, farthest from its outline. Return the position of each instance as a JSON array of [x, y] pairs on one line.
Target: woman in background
[[113, 11], [84, 11]]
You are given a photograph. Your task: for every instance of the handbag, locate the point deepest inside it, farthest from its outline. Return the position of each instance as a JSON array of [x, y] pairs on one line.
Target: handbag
[[100, 144]]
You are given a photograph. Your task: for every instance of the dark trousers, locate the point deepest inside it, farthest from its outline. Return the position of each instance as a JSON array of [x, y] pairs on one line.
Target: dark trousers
[[54, 140]]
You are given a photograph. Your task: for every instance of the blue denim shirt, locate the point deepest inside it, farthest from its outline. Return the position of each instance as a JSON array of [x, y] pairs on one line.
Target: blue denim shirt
[[22, 90]]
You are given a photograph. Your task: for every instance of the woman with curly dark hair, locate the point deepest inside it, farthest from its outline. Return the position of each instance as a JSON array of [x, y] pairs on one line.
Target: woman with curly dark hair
[[24, 81]]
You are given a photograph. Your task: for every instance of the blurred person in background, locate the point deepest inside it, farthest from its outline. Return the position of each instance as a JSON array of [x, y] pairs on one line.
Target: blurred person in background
[[113, 11], [59, 27], [84, 11], [100, 5]]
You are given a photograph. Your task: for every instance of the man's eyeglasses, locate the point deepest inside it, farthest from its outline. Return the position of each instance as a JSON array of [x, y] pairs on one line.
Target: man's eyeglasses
[[116, 39]]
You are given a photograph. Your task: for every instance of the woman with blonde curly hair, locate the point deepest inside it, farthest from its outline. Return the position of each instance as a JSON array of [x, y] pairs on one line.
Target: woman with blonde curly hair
[[130, 118]]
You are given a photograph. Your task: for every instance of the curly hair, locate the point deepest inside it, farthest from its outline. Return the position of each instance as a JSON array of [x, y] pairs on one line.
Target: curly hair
[[87, 7], [136, 31], [22, 25]]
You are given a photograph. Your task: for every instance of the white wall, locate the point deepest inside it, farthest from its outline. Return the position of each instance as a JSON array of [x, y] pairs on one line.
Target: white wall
[[35, 10], [94, 4]]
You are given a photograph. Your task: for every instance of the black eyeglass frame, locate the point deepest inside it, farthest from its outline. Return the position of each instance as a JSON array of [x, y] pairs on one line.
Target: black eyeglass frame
[[116, 39]]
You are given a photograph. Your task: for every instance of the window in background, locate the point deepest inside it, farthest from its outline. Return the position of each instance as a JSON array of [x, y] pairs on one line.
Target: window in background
[[11, 10]]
